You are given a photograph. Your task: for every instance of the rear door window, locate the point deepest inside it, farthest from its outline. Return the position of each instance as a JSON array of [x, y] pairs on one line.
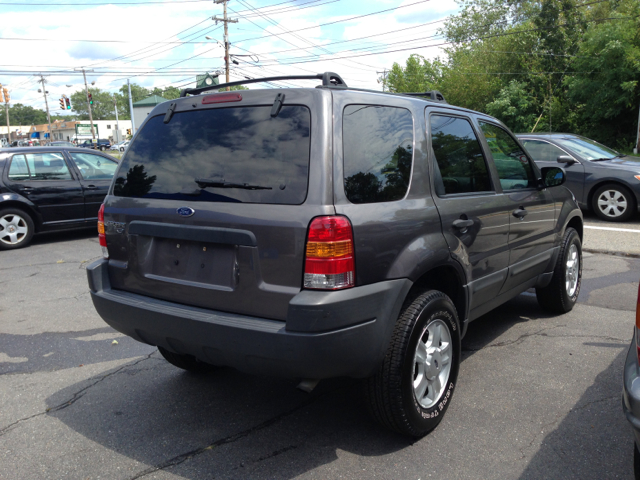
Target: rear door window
[[460, 166], [39, 166], [378, 150], [239, 154]]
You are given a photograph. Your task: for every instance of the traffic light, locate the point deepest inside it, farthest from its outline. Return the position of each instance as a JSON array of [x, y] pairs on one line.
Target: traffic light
[[6, 95], [68, 103], [62, 104], [128, 131], [90, 99]]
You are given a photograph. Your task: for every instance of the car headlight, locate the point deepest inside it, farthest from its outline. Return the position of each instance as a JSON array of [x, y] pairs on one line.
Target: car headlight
[[637, 177]]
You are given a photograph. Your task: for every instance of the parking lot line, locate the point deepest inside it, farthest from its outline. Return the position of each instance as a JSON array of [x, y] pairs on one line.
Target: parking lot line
[[611, 229]]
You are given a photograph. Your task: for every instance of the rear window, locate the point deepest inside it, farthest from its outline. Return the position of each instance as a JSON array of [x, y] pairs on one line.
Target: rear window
[[239, 154]]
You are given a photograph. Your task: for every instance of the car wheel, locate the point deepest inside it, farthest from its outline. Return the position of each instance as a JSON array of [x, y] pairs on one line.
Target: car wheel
[[103, 148], [186, 362], [122, 149], [16, 229], [562, 293], [614, 203], [412, 389]]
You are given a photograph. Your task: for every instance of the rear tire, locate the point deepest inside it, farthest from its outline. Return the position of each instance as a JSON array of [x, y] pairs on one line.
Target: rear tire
[[16, 228], [186, 362], [614, 203], [413, 387], [562, 293]]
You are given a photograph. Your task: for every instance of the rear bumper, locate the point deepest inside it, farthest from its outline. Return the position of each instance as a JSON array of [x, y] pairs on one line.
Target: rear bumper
[[631, 390], [327, 334]]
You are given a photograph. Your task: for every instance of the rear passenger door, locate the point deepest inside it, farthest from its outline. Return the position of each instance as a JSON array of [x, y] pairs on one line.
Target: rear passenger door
[[45, 179], [532, 211], [474, 214], [96, 172]]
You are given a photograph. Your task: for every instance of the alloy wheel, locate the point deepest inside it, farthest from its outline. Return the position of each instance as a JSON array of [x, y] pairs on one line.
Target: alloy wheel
[[432, 363], [13, 229]]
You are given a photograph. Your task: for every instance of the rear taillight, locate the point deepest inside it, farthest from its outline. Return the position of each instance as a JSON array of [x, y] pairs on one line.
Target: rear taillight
[[329, 263], [638, 324], [101, 236]]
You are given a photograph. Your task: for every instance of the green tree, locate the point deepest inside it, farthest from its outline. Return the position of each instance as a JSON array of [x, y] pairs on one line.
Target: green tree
[[606, 93], [102, 108], [418, 75], [20, 114], [514, 106]]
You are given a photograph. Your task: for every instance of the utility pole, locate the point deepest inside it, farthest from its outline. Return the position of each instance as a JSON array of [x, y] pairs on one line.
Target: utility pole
[[637, 149], [86, 88], [4, 92], [46, 102], [115, 105], [226, 33], [384, 79], [133, 122]]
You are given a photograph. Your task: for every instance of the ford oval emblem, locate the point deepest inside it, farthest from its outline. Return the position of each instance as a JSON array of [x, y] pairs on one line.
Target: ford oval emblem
[[185, 211]]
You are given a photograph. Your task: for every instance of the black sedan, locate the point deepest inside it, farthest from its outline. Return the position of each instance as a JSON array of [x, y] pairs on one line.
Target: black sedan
[[601, 179], [50, 188]]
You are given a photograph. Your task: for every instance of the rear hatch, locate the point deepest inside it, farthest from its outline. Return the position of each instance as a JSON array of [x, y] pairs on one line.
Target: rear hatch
[[211, 203]]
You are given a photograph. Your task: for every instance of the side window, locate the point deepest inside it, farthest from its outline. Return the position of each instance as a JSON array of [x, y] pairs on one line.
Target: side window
[[47, 166], [512, 163], [460, 166], [18, 169], [94, 167], [542, 151], [378, 152]]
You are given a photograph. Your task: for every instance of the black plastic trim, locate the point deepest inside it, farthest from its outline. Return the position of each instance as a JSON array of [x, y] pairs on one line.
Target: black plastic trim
[[226, 236]]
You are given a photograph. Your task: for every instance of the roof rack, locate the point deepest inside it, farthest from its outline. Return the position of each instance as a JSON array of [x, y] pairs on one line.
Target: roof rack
[[434, 95], [329, 79]]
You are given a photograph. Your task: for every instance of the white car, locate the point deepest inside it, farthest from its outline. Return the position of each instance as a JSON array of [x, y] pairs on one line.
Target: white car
[[122, 146]]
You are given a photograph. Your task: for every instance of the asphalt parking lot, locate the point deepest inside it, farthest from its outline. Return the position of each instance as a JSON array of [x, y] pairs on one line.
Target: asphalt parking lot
[[538, 396]]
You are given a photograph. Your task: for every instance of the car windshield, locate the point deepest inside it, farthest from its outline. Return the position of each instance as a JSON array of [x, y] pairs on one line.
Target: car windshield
[[587, 149]]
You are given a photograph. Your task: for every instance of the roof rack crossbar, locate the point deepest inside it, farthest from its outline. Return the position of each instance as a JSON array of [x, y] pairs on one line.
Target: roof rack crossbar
[[329, 79]]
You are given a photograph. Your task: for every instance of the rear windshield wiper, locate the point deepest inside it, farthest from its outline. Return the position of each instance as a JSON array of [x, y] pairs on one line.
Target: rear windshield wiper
[[209, 182]]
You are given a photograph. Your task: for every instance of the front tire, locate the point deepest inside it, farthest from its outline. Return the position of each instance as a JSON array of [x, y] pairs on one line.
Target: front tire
[[413, 387], [613, 203], [16, 229], [562, 293], [186, 362]]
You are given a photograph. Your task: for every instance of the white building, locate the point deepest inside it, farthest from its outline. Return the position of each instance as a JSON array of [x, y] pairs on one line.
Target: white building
[[143, 108], [81, 130]]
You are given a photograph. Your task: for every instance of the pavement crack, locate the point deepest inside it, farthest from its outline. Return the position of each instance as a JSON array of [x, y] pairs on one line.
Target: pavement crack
[[76, 396], [542, 333], [179, 459]]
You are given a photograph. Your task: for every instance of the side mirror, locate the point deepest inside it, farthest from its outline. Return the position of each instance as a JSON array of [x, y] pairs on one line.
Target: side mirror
[[566, 159], [552, 176]]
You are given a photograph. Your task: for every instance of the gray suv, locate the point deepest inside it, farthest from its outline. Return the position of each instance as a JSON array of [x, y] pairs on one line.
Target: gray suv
[[329, 231]]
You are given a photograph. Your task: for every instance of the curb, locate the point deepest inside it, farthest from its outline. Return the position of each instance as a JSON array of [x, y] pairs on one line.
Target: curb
[[609, 252]]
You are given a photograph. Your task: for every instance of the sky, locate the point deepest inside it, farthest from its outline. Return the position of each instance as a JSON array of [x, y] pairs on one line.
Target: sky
[[160, 43]]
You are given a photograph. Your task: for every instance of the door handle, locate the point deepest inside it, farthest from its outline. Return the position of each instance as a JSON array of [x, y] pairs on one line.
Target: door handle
[[462, 224], [90, 187], [519, 213]]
